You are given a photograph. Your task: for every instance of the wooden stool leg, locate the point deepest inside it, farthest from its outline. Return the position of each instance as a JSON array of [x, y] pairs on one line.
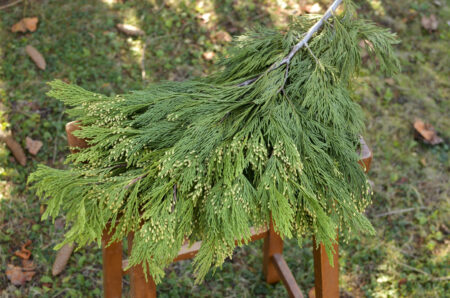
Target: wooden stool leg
[[140, 288], [273, 244], [112, 267], [326, 277], [286, 276]]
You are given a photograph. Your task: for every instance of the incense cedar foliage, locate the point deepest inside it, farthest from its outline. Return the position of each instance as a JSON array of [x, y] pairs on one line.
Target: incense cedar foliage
[[209, 158]]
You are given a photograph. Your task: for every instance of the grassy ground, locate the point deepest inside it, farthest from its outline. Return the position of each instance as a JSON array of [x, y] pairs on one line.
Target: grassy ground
[[409, 256]]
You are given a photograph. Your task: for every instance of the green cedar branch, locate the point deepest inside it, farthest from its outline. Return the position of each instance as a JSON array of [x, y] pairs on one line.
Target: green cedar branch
[[302, 43], [160, 165]]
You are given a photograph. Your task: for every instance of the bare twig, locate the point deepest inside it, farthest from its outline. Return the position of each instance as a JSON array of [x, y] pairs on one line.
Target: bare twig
[[10, 4], [413, 268], [143, 73], [174, 196], [248, 82], [121, 165], [55, 147], [443, 278], [311, 31], [224, 117], [312, 54], [398, 211], [134, 181], [286, 74], [304, 42], [430, 276]]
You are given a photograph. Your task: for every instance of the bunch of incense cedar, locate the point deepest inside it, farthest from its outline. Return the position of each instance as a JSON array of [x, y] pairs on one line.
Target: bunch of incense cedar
[[273, 135]]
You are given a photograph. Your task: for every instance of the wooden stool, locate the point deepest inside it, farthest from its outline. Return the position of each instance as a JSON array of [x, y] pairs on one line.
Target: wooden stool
[[274, 266]]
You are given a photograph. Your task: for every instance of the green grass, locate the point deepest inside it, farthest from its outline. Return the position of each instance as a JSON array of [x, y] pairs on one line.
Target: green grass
[[409, 256]]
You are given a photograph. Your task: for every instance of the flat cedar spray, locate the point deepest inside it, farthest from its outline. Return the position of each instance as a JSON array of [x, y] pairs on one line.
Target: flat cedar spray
[[272, 135]]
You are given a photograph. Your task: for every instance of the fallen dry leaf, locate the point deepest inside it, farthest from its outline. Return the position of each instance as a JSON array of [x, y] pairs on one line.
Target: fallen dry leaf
[[33, 146], [205, 17], [25, 24], [15, 147], [401, 181], [59, 223], [24, 253], [62, 257], [426, 132], [125, 264], [444, 229], [430, 23], [390, 81], [222, 36], [17, 276], [208, 55], [28, 265], [366, 48], [37, 57], [410, 16], [366, 44], [41, 209], [130, 30], [423, 162], [314, 8], [312, 293]]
